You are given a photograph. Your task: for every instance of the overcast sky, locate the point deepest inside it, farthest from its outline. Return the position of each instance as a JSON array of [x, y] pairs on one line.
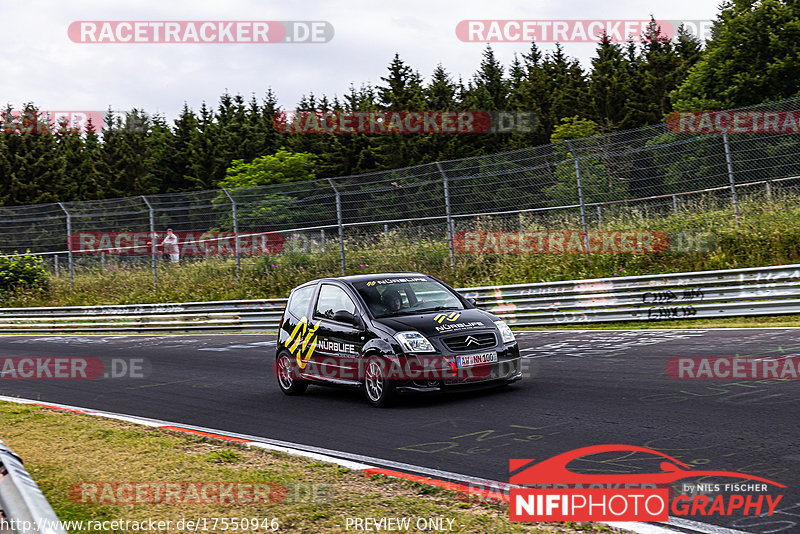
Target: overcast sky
[[41, 64]]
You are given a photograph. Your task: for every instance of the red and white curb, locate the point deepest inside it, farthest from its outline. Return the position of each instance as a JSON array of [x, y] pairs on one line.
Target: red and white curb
[[442, 479]]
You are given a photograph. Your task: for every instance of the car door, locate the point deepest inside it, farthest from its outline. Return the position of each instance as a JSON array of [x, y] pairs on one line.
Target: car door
[[338, 339], [297, 333]]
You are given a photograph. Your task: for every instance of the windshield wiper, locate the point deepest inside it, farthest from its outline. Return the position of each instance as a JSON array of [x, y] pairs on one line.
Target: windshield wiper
[[426, 310]]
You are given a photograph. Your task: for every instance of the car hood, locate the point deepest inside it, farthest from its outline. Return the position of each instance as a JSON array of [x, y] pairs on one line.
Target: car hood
[[441, 322]]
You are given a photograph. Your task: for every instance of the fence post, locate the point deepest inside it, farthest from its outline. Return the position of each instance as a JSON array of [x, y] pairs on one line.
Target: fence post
[[69, 246], [341, 225], [322, 238], [153, 244], [55, 264], [769, 190], [731, 178], [450, 231], [675, 204], [235, 232], [519, 216], [580, 196]]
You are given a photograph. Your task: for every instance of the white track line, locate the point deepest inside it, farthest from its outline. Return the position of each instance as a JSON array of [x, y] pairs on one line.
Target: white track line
[[356, 462]]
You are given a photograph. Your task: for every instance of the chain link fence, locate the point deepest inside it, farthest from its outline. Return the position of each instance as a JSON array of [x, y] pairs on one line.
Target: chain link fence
[[354, 224]]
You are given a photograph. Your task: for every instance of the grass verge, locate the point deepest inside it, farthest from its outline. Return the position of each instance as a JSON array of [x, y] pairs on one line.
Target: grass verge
[[61, 450]]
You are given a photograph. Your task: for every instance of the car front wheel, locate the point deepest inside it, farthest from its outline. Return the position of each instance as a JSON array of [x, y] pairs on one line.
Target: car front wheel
[[378, 388], [286, 373]]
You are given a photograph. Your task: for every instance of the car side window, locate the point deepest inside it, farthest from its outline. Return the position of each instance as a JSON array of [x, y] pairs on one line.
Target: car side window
[[299, 301], [331, 300]]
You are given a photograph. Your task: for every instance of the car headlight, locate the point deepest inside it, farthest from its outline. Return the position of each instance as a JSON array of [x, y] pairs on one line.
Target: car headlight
[[414, 342], [505, 332]]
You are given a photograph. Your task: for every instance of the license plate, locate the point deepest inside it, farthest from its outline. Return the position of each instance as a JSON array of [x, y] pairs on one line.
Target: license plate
[[476, 359]]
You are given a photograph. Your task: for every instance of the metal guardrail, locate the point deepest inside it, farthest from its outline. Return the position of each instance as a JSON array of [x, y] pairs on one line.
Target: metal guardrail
[[23, 507], [724, 293], [695, 295], [225, 316]]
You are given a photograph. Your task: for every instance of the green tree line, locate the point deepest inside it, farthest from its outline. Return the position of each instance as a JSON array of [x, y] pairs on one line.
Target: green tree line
[[752, 57]]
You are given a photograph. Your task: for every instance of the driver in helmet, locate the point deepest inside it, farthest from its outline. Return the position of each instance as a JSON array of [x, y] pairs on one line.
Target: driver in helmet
[[391, 299]]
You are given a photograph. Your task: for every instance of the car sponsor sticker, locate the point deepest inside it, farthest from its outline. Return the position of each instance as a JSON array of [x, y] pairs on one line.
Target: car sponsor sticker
[[441, 317], [395, 281], [302, 341], [327, 346], [460, 326]]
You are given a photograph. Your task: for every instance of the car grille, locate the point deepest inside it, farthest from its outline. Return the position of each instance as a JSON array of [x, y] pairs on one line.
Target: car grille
[[470, 342]]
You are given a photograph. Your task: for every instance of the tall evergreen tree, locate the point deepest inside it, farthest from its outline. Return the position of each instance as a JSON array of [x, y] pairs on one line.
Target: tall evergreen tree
[[752, 57], [610, 85]]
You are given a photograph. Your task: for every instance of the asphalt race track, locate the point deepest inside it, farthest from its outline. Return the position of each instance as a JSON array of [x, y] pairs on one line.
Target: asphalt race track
[[584, 388]]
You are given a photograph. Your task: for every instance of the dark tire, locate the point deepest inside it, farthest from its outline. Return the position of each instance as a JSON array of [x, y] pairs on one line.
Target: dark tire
[[286, 373], [378, 389]]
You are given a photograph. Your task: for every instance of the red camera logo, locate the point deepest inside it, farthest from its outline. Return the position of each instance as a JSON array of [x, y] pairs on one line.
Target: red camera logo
[[621, 502]]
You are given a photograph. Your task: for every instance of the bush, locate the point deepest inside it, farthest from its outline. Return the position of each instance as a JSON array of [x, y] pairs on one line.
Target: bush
[[22, 272]]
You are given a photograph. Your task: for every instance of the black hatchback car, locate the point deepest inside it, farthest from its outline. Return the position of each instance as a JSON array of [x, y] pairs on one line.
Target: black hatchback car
[[390, 333]]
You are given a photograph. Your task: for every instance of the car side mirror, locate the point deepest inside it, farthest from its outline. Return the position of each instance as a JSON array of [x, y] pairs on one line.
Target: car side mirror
[[344, 316], [472, 301]]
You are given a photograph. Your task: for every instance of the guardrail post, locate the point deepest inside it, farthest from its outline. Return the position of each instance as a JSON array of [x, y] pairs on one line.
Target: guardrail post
[[341, 225], [322, 237], [69, 246], [769, 190], [450, 228], [731, 178], [519, 216], [580, 196], [599, 216], [55, 264], [153, 244], [235, 232], [675, 204]]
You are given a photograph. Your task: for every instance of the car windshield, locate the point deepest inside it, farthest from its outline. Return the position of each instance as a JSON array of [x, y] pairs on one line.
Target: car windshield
[[390, 297]]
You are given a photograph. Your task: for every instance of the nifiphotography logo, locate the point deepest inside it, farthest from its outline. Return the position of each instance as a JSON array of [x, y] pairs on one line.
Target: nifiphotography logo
[[564, 495]]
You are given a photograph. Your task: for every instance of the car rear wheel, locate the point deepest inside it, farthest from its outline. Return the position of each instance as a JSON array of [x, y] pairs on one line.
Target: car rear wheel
[[378, 388], [286, 373]]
